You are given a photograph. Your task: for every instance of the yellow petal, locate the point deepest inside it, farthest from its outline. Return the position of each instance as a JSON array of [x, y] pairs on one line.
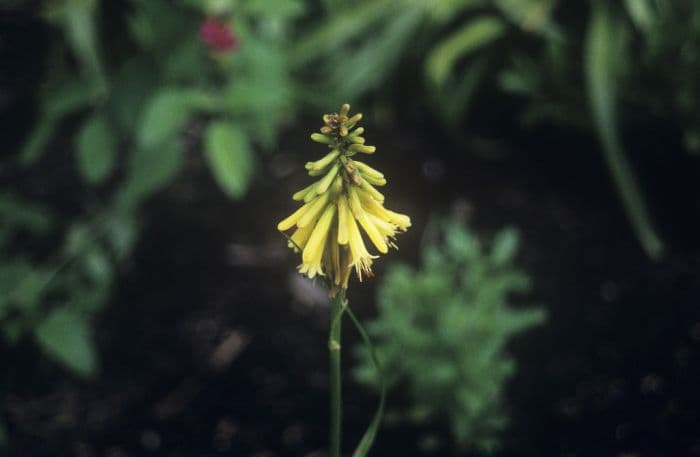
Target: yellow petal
[[367, 170], [315, 208], [300, 237], [385, 228], [367, 187], [313, 252], [289, 222], [323, 162], [324, 183], [374, 235], [343, 214], [298, 196]]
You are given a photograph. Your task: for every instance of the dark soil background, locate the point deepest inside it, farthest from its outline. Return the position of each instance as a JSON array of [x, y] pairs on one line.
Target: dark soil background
[[214, 346]]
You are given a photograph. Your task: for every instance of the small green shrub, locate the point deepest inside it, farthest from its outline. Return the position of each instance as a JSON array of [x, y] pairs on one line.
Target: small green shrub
[[442, 330]]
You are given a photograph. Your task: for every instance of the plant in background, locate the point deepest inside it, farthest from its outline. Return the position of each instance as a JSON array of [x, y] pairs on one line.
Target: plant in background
[[525, 48], [327, 234], [442, 331], [178, 72]]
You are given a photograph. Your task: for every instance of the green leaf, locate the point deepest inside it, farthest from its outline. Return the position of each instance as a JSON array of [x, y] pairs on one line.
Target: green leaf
[[130, 88], [164, 116], [66, 337], [505, 245], [229, 157], [339, 29], [150, 170], [79, 25], [469, 38], [604, 57], [97, 150]]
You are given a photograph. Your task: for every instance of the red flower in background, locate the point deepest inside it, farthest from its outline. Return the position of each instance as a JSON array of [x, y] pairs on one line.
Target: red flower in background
[[217, 35]]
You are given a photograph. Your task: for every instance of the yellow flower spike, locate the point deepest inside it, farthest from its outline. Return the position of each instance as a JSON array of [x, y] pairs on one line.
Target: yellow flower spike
[[342, 200], [313, 251], [325, 183], [314, 211]]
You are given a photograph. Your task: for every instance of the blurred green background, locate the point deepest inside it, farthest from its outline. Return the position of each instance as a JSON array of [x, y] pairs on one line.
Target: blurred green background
[[148, 307]]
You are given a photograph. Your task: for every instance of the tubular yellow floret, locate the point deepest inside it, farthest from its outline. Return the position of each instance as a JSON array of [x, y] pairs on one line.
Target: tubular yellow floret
[[343, 214], [367, 170], [300, 237], [362, 148], [323, 162], [374, 181], [313, 251], [321, 138], [324, 183], [299, 196], [367, 187], [315, 208], [290, 221]]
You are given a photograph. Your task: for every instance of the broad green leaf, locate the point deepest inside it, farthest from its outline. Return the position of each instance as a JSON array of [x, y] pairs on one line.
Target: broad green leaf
[[469, 38], [604, 56], [97, 150], [66, 337], [150, 170], [163, 118], [229, 157]]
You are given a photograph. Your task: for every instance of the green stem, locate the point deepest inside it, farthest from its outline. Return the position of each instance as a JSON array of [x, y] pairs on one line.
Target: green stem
[[337, 308]]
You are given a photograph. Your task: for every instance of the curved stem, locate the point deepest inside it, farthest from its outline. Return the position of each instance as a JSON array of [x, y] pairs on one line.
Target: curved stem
[[337, 308]]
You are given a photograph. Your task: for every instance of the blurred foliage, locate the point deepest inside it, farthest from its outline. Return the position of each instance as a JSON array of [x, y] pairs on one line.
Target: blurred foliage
[[602, 78], [442, 330], [136, 86]]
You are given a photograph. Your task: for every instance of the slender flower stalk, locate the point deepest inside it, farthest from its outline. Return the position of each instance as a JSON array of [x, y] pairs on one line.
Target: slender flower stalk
[[327, 229]]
